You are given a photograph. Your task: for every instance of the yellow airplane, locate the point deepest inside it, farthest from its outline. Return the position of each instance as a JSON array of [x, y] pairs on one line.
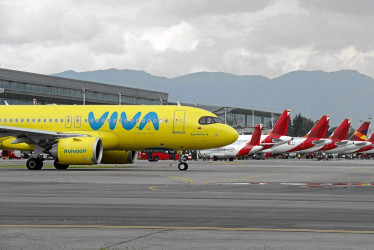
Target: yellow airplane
[[92, 134]]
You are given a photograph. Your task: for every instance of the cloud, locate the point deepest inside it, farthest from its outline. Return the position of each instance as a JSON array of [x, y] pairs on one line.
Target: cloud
[[175, 37]]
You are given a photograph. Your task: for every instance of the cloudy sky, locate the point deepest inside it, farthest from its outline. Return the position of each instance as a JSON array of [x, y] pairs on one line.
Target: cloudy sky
[[177, 37]]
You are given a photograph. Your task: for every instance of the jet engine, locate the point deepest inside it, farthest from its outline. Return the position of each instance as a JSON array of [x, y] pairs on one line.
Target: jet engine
[[118, 156], [78, 150]]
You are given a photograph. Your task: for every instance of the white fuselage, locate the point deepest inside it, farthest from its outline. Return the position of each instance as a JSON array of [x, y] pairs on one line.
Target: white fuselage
[[278, 149], [350, 147]]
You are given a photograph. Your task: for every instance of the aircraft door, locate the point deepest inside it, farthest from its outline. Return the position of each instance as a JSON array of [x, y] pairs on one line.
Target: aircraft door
[[178, 123], [77, 121], [68, 121]]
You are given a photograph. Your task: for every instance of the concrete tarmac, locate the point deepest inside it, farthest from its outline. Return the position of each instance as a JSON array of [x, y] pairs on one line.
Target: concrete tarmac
[[272, 204]]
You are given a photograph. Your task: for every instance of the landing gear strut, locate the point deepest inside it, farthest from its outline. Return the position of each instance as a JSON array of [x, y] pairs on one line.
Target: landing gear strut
[[34, 164]]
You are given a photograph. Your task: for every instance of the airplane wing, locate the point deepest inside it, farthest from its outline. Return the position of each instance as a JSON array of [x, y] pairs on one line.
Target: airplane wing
[[31, 136]]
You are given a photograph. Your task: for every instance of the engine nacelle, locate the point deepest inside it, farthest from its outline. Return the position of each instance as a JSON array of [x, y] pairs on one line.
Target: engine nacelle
[[118, 156], [78, 150]]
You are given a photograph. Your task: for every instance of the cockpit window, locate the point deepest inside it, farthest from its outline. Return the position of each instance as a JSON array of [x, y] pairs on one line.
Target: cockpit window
[[209, 120]]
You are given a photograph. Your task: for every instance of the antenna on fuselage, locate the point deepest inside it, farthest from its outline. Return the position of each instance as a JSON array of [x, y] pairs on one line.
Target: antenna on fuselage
[[6, 103], [179, 104]]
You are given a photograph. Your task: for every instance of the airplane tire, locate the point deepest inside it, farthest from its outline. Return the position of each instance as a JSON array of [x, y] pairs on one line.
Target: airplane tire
[[155, 159], [215, 158], [34, 164], [60, 166], [231, 159], [182, 166]]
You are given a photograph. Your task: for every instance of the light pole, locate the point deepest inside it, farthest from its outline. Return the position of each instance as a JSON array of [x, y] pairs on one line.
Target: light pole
[[119, 98], [84, 90], [253, 117]]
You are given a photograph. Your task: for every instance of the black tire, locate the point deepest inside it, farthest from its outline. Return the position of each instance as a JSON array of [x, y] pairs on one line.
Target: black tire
[[231, 159], [182, 166], [34, 164], [60, 166], [185, 158], [155, 158], [215, 158]]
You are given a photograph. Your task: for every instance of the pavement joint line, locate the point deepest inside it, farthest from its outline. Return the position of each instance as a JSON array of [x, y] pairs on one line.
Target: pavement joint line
[[179, 178], [239, 178], [337, 184], [195, 228]]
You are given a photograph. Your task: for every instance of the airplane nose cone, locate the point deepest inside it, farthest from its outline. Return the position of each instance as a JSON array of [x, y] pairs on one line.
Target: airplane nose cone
[[229, 135]]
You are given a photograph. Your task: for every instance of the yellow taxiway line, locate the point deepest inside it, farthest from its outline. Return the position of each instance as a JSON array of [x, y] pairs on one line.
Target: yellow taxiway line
[[195, 228]]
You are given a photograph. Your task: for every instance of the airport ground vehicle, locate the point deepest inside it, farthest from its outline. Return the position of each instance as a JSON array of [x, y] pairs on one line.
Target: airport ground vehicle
[[9, 154], [158, 155], [164, 155]]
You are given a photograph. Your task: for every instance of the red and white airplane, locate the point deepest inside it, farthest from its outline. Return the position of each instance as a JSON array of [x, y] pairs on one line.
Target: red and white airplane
[[239, 148], [367, 149], [276, 136], [339, 137], [355, 142], [300, 144]]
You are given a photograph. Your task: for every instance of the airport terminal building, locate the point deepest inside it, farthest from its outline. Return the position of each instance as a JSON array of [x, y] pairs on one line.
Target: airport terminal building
[[17, 87]]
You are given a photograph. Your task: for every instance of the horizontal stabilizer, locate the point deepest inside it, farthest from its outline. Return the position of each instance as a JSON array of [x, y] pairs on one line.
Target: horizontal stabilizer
[[319, 142], [341, 143]]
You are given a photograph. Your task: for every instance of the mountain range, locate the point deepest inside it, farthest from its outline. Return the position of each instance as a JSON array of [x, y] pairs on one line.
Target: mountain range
[[342, 94]]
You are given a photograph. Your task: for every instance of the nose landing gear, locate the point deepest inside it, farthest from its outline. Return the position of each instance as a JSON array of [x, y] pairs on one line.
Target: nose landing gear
[[183, 166]]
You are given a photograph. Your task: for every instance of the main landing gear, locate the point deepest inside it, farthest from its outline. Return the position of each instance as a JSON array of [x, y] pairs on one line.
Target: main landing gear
[[34, 164], [60, 166]]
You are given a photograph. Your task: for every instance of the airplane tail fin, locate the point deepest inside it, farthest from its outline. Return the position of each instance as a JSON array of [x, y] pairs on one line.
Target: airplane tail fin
[[361, 132], [320, 128], [256, 137], [371, 139], [341, 132], [281, 126]]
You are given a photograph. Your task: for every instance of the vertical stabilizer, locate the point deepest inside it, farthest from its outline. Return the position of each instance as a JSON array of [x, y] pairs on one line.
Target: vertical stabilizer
[[341, 132], [320, 128], [281, 126], [361, 132], [256, 137]]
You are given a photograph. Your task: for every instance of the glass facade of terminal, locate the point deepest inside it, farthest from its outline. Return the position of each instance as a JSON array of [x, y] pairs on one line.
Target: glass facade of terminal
[[244, 120], [70, 93]]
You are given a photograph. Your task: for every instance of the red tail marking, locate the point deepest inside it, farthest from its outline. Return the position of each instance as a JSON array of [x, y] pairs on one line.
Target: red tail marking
[[281, 126], [320, 128], [341, 132], [256, 137]]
